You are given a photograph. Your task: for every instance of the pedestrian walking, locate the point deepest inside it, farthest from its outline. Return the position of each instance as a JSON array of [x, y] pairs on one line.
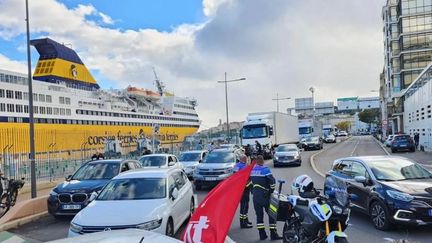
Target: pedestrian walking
[[258, 147], [263, 186], [416, 139], [244, 202]]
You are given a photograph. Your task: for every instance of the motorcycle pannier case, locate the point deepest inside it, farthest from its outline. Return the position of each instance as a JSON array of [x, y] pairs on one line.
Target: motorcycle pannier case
[[280, 209]]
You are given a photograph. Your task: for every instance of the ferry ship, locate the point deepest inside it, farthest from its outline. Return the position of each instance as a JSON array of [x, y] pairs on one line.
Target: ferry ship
[[72, 113]]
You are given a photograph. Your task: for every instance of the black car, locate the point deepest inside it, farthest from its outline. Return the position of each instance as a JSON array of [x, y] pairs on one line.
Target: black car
[[69, 197], [313, 143], [391, 190], [402, 143]]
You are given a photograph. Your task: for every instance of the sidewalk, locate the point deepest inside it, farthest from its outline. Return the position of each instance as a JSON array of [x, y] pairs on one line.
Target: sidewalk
[[421, 157]]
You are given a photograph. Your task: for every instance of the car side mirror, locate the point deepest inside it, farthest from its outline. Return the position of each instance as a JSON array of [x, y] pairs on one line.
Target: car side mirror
[[68, 178], [174, 194], [199, 161], [93, 196], [360, 179]]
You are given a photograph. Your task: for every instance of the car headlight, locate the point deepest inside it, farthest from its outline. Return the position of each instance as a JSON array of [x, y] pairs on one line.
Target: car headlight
[[337, 209], [400, 196], [297, 157], [75, 228], [276, 158], [53, 193], [151, 225]]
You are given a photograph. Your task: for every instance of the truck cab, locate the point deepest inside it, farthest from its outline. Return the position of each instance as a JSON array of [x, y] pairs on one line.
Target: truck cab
[[259, 131]]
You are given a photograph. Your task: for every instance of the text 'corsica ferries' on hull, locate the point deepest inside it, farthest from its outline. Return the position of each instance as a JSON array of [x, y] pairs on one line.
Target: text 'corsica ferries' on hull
[[72, 111]]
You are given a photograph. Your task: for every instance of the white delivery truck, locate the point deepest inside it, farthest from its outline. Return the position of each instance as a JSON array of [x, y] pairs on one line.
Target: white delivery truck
[[309, 127], [328, 129], [270, 129]]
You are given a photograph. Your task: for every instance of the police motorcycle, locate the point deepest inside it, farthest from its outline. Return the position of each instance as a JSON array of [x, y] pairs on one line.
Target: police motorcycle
[[9, 193], [311, 217]]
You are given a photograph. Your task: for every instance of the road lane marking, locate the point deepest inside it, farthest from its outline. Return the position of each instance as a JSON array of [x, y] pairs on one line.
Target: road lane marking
[[312, 158], [355, 147]]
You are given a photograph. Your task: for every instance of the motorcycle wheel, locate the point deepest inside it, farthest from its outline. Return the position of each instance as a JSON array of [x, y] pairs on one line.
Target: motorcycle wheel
[[289, 234], [4, 205]]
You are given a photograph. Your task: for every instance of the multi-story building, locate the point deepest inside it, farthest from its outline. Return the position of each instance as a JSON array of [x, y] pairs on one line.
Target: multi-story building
[[304, 106], [407, 51], [368, 103], [324, 108], [347, 104]]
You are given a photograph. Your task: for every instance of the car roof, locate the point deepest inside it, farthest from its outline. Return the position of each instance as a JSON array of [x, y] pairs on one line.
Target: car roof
[[288, 145], [147, 173], [194, 151], [374, 158], [105, 161], [154, 155], [223, 150]]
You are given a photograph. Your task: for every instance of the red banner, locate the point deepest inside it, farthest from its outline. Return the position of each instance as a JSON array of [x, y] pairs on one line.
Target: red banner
[[212, 219]]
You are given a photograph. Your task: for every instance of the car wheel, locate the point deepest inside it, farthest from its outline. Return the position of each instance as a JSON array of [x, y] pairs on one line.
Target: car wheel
[[299, 163], [379, 216], [192, 207], [170, 228]]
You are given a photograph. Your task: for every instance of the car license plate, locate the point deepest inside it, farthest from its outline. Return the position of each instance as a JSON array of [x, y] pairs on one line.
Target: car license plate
[[71, 207], [403, 145], [430, 212], [210, 179]]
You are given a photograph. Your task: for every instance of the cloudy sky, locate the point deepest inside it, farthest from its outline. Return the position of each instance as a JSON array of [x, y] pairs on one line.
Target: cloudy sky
[[280, 46]]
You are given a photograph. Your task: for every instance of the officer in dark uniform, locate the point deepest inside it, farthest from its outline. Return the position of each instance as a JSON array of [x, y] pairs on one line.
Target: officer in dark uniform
[[244, 203], [263, 186]]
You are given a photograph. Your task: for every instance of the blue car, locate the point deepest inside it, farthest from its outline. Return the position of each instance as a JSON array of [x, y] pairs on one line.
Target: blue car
[[402, 143], [69, 197], [391, 190]]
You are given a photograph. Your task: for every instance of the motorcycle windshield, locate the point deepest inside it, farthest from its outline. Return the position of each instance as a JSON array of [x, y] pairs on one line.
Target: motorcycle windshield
[[337, 190]]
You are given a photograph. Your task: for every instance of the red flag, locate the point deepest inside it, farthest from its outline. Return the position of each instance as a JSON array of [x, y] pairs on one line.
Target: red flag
[[212, 219]]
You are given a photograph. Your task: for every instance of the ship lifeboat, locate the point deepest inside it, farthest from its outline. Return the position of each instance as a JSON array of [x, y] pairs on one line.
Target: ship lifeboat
[[145, 93]]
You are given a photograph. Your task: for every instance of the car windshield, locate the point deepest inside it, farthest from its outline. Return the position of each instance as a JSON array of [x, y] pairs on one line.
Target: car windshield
[[312, 139], [254, 132], [134, 189], [190, 157], [220, 157], [305, 130], [406, 137], [286, 149], [153, 161], [398, 170], [226, 146], [97, 171]]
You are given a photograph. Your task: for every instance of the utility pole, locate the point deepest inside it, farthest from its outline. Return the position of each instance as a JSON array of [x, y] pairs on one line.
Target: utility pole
[[226, 100], [312, 90], [31, 117], [278, 99]]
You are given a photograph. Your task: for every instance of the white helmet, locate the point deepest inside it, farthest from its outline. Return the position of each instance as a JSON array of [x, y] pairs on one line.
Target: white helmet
[[303, 183]]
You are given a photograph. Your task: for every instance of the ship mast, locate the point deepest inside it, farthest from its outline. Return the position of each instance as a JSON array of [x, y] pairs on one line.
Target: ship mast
[[160, 86]]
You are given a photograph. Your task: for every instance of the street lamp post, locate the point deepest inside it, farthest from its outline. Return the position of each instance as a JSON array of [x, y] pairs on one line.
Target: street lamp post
[[278, 99], [31, 118], [312, 90], [226, 100]]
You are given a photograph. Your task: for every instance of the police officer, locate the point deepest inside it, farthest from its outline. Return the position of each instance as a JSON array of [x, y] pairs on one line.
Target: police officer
[[263, 186], [244, 203]]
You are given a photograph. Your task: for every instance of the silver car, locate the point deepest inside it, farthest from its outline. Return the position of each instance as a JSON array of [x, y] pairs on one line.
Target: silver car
[[217, 166], [287, 154], [191, 159]]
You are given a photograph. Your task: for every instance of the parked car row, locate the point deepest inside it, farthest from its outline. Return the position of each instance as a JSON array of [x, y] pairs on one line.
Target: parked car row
[[400, 142]]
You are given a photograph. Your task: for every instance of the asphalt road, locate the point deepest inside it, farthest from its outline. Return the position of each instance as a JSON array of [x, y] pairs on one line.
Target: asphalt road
[[361, 230]]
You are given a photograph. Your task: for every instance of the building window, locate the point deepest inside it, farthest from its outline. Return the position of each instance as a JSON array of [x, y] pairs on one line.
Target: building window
[[62, 111], [61, 100], [2, 93], [67, 101], [41, 97], [9, 94], [25, 95], [49, 110], [56, 111], [36, 109], [2, 107], [10, 108], [48, 98], [19, 108], [26, 109], [68, 112], [18, 95], [35, 97]]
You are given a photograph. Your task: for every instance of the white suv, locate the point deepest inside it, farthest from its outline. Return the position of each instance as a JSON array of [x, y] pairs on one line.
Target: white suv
[[158, 200], [160, 160]]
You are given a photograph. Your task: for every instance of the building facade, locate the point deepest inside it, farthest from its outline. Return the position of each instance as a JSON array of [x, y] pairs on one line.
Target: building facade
[[304, 106], [347, 104], [368, 103], [324, 108], [407, 34]]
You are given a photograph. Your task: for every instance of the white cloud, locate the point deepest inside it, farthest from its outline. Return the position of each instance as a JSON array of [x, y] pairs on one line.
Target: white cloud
[[11, 65], [282, 46], [106, 19]]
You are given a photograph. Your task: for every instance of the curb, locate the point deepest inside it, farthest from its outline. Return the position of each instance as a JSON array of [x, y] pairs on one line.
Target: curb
[[312, 158], [18, 222], [382, 146], [41, 186]]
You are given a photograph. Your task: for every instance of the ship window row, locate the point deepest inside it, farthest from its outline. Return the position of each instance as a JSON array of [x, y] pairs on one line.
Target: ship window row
[[184, 106], [115, 114], [85, 122], [36, 109], [18, 95], [185, 113], [90, 103], [64, 100], [7, 78]]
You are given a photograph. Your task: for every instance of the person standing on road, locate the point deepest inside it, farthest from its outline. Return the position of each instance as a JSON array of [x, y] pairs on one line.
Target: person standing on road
[[263, 186], [258, 147], [416, 139], [97, 156], [244, 202]]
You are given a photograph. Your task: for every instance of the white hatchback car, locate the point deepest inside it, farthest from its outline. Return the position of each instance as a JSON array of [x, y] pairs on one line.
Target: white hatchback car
[[158, 200], [160, 161]]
